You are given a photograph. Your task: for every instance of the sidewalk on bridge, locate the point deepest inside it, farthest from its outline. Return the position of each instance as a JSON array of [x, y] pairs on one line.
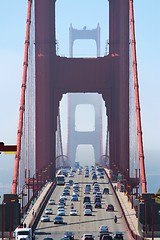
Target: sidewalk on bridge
[[31, 216], [129, 210]]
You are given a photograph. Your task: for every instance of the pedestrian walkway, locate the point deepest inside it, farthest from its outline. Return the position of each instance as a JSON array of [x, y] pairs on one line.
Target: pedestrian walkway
[[31, 216], [129, 211]]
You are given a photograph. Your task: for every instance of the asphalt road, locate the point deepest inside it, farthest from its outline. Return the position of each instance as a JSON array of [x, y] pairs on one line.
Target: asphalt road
[[81, 224]]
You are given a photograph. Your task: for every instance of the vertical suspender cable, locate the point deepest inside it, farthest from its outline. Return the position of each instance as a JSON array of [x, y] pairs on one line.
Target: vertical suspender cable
[[22, 100], [136, 91]]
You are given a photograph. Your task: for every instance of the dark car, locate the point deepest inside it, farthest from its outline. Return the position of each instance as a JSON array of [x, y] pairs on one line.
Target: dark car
[[86, 199], [69, 235], [58, 219], [97, 199], [98, 205], [106, 191], [88, 206], [48, 238], [94, 177], [118, 235], [105, 236], [109, 207]]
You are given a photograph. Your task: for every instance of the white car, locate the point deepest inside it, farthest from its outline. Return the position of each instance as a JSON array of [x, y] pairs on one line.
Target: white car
[[87, 236], [73, 212], [48, 211], [61, 212], [51, 202], [45, 218], [87, 212]]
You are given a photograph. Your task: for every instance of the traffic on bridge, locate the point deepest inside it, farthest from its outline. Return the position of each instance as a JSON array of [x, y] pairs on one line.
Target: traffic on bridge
[[84, 206]]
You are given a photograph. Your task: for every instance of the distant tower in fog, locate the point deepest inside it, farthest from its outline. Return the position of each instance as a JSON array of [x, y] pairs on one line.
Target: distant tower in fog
[[84, 34], [93, 137]]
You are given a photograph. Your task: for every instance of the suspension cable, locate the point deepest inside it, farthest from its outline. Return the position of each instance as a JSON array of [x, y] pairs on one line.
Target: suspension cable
[[22, 100], [136, 91]]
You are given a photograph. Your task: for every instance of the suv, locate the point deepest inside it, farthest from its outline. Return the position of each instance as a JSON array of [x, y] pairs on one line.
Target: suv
[[87, 236]]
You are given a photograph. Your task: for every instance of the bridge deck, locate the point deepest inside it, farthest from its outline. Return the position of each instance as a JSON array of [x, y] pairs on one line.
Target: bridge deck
[[130, 213]]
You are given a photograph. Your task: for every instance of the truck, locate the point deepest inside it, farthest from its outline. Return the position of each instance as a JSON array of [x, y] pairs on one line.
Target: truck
[[23, 233]]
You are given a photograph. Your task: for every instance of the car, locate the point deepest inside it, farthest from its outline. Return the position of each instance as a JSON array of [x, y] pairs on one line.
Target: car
[[86, 175], [75, 192], [70, 182], [98, 205], [94, 182], [66, 192], [60, 209], [86, 199], [106, 191], [109, 207], [97, 199], [101, 176], [47, 238], [103, 228], [87, 212], [88, 186], [48, 211], [106, 237], [69, 235], [98, 194], [65, 238], [62, 201], [58, 220], [71, 175], [88, 206], [45, 218], [94, 177], [63, 197], [61, 205], [74, 197], [87, 236], [51, 202], [73, 212], [61, 212], [118, 235], [86, 191]]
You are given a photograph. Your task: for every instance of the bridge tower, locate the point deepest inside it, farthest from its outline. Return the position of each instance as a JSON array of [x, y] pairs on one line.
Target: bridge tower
[[84, 34], [76, 137]]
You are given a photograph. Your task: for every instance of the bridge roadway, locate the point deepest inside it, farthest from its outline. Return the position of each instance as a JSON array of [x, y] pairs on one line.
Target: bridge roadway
[[81, 224]]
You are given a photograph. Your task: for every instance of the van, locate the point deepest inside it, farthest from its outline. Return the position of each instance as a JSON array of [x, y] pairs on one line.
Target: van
[[23, 233]]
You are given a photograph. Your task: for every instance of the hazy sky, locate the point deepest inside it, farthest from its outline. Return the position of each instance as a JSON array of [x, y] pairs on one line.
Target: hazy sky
[[147, 19]]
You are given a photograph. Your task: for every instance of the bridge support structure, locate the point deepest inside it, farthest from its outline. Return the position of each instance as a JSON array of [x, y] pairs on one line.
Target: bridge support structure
[[108, 76], [92, 137]]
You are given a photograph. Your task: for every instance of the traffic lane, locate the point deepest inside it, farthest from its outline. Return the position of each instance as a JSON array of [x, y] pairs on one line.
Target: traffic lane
[[81, 224]]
